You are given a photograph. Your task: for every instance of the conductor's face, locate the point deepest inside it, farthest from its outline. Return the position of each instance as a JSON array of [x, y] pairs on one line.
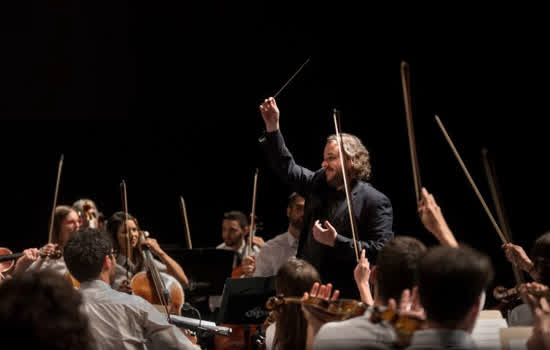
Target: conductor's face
[[232, 233], [332, 165]]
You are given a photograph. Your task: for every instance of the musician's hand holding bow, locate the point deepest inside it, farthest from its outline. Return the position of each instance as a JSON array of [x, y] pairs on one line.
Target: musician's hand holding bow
[[326, 236], [433, 220], [362, 275], [270, 114], [249, 265], [125, 287], [29, 256], [517, 256]]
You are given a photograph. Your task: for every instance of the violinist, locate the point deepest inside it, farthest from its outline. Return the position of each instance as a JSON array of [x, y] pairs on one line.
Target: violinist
[[126, 268], [65, 223], [118, 320], [326, 241], [235, 228], [294, 278], [88, 213], [39, 310], [278, 250], [451, 285], [538, 268], [394, 272]]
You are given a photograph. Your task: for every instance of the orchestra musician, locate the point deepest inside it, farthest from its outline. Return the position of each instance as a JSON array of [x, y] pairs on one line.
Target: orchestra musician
[[278, 250], [326, 242], [451, 286], [235, 229], [119, 320], [126, 268], [39, 310], [538, 267], [88, 213], [65, 223], [394, 273]]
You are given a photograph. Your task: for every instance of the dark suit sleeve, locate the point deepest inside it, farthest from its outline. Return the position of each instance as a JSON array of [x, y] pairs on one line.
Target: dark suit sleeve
[[281, 161], [375, 226]]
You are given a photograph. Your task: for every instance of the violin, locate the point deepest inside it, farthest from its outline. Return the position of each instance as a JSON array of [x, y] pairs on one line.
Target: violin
[[7, 261], [404, 325], [324, 310]]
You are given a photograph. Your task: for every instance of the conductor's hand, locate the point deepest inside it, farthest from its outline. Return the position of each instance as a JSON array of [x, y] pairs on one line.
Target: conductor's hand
[[327, 235], [249, 265], [270, 114]]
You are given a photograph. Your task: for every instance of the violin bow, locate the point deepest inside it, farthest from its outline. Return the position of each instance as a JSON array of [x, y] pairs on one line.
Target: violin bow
[[252, 228], [469, 177], [496, 194], [186, 222], [353, 222], [59, 168], [291, 78], [406, 83], [125, 210]]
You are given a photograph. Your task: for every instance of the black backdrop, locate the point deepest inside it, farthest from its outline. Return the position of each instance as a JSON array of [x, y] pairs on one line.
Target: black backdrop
[[166, 97]]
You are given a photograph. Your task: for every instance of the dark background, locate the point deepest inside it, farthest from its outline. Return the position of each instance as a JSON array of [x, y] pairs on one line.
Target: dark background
[[167, 97]]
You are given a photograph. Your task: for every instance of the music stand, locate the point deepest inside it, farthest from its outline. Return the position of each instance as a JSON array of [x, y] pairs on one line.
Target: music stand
[[206, 268], [243, 300]]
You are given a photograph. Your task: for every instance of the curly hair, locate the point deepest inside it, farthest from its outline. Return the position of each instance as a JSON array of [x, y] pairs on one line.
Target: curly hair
[[357, 154], [85, 253], [40, 309]]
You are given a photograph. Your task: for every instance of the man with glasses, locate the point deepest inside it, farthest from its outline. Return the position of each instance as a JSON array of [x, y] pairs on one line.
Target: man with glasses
[[117, 320]]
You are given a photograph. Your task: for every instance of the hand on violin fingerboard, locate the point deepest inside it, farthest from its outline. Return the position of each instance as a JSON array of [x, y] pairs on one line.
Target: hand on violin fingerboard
[[320, 291]]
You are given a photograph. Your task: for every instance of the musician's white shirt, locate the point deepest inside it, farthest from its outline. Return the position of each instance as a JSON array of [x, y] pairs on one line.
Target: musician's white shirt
[[57, 265], [122, 321], [274, 254]]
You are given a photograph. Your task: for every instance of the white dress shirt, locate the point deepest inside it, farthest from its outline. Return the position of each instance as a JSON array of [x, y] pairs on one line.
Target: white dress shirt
[[274, 254], [121, 321], [57, 265]]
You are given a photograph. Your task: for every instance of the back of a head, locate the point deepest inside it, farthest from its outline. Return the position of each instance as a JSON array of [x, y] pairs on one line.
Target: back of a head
[[85, 253], [450, 281], [541, 258], [396, 266], [40, 309], [294, 278]]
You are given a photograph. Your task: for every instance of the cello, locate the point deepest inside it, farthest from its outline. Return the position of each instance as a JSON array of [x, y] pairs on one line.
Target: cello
[[159, 289]]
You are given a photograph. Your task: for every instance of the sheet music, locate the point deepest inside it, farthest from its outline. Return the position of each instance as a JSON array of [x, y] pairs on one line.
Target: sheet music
[[486, 333], [517, 344]]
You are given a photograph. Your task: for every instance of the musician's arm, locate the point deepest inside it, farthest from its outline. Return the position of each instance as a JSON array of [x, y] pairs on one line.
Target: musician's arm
[[174, 269]]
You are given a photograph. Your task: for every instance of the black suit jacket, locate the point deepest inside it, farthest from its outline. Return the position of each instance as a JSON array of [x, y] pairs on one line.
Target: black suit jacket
[[372, 211]]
